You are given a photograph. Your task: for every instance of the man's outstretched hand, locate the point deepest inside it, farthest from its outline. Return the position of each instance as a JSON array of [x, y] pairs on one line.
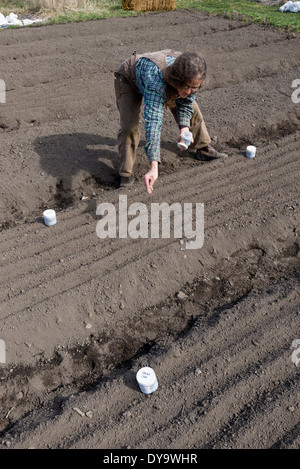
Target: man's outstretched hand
[[151, 176]]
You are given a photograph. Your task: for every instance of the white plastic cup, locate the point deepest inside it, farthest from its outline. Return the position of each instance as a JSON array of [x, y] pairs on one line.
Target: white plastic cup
[[185, 141], [250, 151], [147, 380], [49, 217]]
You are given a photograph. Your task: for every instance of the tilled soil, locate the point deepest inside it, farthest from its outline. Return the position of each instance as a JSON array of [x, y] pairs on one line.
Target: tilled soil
[[80, 314]]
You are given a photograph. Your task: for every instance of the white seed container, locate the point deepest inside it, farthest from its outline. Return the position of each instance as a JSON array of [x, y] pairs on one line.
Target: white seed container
[[147, 380], [185, 141], [250, 151], [49, 217]]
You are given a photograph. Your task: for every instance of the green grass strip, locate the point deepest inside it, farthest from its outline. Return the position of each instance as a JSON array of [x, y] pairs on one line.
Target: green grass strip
[[249, 11]]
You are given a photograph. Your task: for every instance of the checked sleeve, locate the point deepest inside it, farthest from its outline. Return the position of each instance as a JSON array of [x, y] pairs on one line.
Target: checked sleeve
[[151, 85], [185, 110]]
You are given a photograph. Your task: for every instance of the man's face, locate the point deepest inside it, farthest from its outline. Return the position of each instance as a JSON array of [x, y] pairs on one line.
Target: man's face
[[189, 88]]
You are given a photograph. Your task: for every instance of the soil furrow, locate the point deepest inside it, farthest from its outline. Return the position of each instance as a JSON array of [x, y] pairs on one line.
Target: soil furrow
[[79, 314]]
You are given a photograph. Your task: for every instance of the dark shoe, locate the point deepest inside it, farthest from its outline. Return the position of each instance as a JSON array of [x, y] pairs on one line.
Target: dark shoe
[[126, 181], [208, 153]]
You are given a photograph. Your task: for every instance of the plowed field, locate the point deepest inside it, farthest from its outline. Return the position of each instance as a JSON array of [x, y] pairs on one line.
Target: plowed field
[[81, 314]]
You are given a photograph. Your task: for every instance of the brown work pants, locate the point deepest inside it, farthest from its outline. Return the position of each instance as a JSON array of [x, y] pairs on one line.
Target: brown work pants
[[129, 102]]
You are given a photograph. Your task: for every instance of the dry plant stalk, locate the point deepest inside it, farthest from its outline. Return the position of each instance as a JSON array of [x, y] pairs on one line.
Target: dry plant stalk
[[148, 5]]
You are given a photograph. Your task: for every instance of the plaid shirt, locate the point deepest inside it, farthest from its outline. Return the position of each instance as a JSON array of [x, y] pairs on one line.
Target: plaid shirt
[[151, 84]]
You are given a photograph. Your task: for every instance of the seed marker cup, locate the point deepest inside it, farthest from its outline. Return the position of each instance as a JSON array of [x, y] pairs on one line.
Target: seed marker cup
[[250, 151], [49, 217], [147, 381]]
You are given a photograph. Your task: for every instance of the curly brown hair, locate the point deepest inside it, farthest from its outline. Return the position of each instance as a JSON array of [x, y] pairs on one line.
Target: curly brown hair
[[187, 66]]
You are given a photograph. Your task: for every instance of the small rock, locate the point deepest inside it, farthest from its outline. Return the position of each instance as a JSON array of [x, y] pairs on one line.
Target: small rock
[[181, 295], [78, 411]]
